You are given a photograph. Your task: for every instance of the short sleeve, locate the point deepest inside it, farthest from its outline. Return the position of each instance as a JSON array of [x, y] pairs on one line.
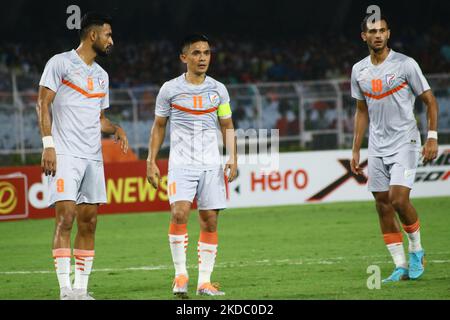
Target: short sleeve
[[53, 73], [162, 108], [414, 76], [224, 109], [355, 88], [224, 96], [105, 100]]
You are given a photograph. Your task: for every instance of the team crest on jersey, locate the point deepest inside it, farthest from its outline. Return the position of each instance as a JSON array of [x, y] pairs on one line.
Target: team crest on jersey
[[214, 98], [101, 83], [390, 79]]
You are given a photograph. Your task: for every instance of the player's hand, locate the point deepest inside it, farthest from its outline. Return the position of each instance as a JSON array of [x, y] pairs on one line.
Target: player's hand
[[153, 174], [430, 150], [231, 170], [121, 136], [354, 164], [48, 162]]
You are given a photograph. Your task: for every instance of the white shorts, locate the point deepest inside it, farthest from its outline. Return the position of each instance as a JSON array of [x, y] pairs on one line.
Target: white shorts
[[207, 185], [77, 179], [396, 170]]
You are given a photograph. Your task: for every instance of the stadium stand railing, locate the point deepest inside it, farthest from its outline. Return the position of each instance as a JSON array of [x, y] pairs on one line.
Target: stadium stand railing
[[310, 115]]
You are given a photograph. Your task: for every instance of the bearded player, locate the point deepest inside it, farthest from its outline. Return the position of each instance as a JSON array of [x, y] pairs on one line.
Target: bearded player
[[195, 103], [385, 85], [77, 89]]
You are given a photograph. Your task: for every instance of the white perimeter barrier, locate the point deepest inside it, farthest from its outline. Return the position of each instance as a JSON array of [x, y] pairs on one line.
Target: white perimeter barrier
[[324, 176]]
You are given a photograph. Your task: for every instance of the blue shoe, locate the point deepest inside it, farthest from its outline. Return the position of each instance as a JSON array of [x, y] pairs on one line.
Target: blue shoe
[[398, 275], [416, 264]]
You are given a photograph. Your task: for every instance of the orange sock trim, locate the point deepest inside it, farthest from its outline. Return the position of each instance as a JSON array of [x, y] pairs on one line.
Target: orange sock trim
[[83, 253], [61, 253], [412, 228], [177, 229], [209, 237], [390, 238]]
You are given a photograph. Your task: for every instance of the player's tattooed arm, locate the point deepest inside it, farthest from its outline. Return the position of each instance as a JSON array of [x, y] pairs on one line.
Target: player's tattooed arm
[[361, 124], [229, 140], [110, 128], [44, 101], [156, 139], [430, 149]]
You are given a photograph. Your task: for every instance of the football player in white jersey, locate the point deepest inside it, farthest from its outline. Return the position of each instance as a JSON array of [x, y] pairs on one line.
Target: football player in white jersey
[[76, 88], [195, 103], [385, 85]]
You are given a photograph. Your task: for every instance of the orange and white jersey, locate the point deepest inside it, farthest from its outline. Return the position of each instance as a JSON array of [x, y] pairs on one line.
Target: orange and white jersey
[[390, 90], [81, 93], [193, 111]]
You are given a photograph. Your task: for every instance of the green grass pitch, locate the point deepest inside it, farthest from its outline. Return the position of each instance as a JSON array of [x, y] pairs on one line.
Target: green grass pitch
[[290, 252]]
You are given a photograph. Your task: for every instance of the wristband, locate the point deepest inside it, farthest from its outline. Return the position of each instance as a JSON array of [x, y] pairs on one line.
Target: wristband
[[48, 142], [432, 135]]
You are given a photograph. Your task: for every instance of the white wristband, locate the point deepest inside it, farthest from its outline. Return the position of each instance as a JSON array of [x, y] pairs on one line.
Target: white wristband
[[432, 135], [48, 142]]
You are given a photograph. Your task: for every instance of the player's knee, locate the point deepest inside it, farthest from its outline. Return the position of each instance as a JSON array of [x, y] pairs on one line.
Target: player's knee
[[382, 207], [65, 223], [87, 225], [179, 216], [399, 203], [209, 227], [383, 204], [208, 224], [65, 218]]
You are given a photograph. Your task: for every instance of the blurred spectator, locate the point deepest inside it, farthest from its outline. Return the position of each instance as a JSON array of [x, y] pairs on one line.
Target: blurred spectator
[[239, 60], [282, 124]]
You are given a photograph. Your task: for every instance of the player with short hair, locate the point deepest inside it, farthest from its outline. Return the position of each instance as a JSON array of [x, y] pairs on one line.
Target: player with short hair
[[77, 89], [385, 85], [194, 102]]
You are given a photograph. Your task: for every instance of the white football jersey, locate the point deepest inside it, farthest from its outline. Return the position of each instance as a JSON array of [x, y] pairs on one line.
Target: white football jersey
[[193, 111], [390, 90], [81, 93]]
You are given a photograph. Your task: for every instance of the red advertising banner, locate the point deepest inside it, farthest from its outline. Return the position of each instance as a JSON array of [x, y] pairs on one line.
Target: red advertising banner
[[128, 190], [13, 196], [24, 191]]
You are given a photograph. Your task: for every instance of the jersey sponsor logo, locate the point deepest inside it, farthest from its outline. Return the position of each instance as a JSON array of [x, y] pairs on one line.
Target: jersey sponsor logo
[[390, 79], [214, 98]]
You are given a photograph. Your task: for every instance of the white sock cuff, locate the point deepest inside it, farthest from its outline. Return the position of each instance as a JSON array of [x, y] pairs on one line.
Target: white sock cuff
[[208, 246], [62, 265]]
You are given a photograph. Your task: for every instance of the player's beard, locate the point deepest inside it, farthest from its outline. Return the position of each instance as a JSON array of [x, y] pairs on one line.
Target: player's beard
[[100, 51], [378, 49]]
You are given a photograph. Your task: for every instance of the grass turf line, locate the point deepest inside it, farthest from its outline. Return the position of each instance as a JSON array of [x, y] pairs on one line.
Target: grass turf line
[[289, 252]]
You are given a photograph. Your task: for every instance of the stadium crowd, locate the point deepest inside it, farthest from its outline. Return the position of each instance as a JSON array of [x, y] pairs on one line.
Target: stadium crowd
[[140, 64], [238, 60]]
